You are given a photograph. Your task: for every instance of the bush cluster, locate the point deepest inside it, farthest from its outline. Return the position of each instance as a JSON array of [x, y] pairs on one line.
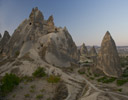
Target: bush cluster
[[8, 82], [39, 72], [27, 78], [81, 72], [106, 79], [121, 82], [17, 53], [120, 90], [96, 75], [53, 79], [39, 96]]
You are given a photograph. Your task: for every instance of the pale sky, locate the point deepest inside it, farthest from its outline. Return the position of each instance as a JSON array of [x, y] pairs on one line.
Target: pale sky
[[86, 20]]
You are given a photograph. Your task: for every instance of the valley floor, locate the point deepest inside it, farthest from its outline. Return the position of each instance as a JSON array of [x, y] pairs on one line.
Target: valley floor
[[75, 86]]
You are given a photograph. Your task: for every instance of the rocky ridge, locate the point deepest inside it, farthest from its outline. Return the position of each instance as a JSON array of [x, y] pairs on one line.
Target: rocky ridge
[[54, 45]]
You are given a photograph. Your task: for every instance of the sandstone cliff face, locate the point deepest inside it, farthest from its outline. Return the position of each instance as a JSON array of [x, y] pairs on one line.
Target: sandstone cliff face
[[108, 59], [83, 50], [92, 52], [53, 44], [4, 41]]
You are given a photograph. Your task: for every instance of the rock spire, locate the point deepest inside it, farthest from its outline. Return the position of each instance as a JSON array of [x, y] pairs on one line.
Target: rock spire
[[108, 59]]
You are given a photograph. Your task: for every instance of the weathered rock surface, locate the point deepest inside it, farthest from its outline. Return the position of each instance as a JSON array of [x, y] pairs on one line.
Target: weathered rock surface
[[50, 21], [92, 52], [36, 17], [54, 45], [4, 40], [58, 48], [83, 50], [108, 60]]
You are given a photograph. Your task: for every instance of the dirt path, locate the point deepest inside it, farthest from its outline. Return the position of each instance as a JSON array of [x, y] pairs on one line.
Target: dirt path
[[101, 91]]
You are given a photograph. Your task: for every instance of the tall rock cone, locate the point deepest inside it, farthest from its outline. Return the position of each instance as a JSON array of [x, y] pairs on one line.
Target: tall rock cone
[[4, 41], [92, 52], [83, 50], [50, 21], [108, 59], [50, 24]]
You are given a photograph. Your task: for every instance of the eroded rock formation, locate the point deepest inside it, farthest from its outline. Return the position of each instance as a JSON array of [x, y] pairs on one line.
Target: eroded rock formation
[[92, 52], [83, 50], [4, 41], [108, 59], [55, 45]]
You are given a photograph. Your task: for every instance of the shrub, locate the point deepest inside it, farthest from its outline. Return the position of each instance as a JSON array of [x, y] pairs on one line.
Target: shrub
[[90, 73], [42, 90], [86, 62], [21, 87], [121, 82], [96, 75], [49, 99], [106, 79], [32, 90], [39, 96], [81, 72], [71, 69], [27, 79], [120, 90], [32, 86], [87, 75], [88, 69], [92, 78], [14, 95], [125, 75], [27, 95], [53, 79], [17, 53], [109, 80], [39, 72], [8, 82], [101, 79]]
